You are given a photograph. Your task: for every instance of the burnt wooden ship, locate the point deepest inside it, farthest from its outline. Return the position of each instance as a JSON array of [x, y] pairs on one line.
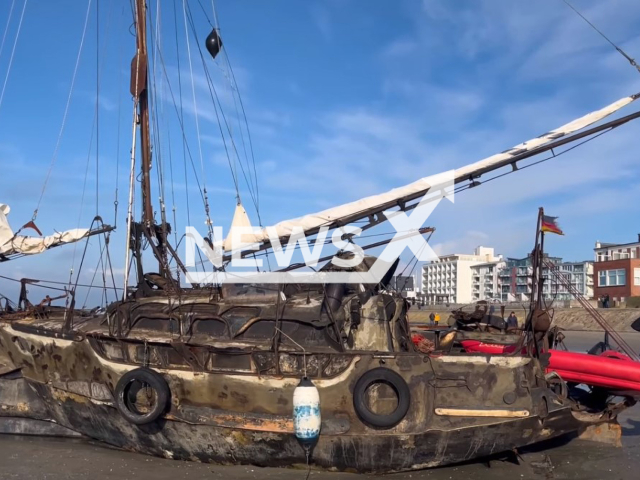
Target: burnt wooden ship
[[208, 373]]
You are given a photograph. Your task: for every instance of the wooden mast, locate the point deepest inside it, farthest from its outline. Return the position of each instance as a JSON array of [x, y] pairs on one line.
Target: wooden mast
[[139, 83]]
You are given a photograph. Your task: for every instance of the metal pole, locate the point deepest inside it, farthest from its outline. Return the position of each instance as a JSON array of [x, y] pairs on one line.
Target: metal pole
[[130, 207]]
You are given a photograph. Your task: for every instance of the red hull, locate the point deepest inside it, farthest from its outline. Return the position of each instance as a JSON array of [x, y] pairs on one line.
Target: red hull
[[609, 370]]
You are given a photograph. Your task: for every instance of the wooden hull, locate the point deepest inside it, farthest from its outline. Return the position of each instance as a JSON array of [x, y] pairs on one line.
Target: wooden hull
[[345, 452], [245, 418]]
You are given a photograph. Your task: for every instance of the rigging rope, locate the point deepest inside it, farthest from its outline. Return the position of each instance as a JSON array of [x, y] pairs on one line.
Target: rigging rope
[[234, 84], [195, 108], [244, 114], [155, 40], [216, 102], [66, 111], [156, 117], [120, 75], [52, 282], [97, 105], [620, 51], [13, 51], [181, 120], [6, 28], [467, 186]]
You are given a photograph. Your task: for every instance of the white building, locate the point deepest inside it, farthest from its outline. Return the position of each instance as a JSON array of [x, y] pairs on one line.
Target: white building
[[579, 274], [486, 283], [515, 279], [449, 279]]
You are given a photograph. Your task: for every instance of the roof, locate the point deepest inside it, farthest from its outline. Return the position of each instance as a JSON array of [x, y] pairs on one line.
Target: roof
[[609, 245], [487, 263]]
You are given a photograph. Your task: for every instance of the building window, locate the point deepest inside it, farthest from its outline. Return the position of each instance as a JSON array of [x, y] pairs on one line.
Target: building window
[[612, 278], [636, 277]]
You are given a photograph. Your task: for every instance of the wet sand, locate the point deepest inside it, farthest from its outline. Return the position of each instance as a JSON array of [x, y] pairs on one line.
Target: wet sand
[[57, 459]]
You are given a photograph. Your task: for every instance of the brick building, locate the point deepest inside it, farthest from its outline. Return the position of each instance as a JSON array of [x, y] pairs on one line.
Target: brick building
[[617, 270]]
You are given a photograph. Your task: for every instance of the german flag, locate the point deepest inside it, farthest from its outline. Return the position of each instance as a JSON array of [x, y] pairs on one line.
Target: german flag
[[550, 225]]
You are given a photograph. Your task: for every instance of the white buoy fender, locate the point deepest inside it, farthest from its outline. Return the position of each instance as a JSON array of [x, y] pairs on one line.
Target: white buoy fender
[[306, 412]]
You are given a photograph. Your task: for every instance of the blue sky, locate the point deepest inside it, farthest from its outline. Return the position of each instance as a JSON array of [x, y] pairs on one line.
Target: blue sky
[[344, 99]]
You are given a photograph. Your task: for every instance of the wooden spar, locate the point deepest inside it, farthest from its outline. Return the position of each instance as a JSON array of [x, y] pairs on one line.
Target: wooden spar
[[421, 231], [139, 84], [469, 178]]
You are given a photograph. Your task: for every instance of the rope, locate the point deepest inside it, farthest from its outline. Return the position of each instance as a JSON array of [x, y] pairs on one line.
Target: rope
[[620, 51], [195, 108], [158, 116], [184, 140], [214, 97], [97, 105], [184, 137], [13, 50], [246, 122], [121, 83], [95, 272], [52, 282], [554, 155], [6, 28], [234, 84], [66, 111]]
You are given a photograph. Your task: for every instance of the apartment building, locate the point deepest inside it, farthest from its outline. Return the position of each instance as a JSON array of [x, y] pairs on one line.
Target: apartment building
[[617, 270], [486, 281], [515, 279], [450, 278]]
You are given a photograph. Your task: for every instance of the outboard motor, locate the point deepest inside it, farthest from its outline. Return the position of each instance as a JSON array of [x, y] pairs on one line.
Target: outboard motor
[[213, 43]]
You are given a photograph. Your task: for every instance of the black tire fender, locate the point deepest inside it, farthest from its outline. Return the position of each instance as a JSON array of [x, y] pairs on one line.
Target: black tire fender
[[396, 382], [151, 379]]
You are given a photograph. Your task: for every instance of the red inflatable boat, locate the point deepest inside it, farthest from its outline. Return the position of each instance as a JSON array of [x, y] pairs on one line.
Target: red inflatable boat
[[612, 370]]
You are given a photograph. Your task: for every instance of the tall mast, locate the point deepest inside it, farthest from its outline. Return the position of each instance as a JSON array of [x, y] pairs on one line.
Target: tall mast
[[139, 90], [139, 79]]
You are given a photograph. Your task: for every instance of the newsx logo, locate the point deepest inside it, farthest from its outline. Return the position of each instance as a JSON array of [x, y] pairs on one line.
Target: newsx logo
[[440, 186]]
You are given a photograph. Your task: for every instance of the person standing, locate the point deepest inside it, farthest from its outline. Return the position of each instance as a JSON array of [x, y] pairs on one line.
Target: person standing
[[512, 321], [432, 319], [437, 319]]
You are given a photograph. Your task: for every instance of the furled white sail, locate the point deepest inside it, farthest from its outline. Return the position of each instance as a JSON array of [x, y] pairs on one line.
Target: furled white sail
[[12, 244], [239, 224], [367, 206]]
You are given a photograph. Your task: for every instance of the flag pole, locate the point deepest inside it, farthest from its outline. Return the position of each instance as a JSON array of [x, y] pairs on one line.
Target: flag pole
[[535, 286], [540, 259], [535, 261]]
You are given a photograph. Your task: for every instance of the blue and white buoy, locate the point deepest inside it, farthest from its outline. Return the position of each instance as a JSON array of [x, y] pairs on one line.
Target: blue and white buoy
[[306, 413]]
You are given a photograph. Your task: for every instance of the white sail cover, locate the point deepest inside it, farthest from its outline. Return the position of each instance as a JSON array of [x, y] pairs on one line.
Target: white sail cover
[[11, 244], [240, 223], [366, 206]]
